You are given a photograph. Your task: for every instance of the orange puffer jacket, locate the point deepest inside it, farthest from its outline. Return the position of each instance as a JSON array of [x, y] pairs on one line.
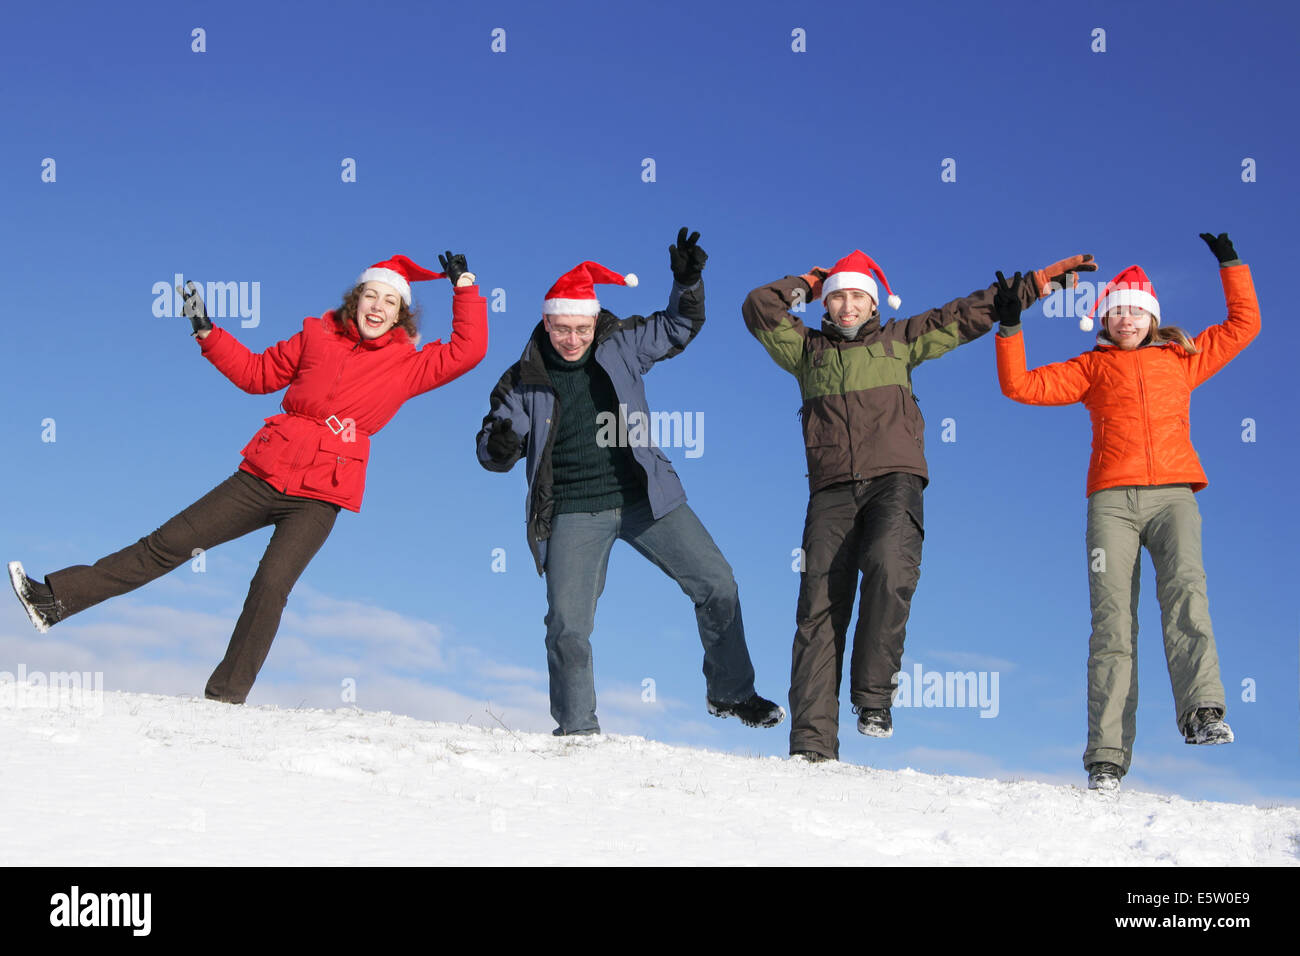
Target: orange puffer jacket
[[1138, 399]]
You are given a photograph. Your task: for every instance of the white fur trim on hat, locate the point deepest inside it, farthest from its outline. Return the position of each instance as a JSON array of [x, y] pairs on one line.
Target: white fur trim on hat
[[388, 277], [631, 279], [1134, 297], [851, 280], [571, 307]]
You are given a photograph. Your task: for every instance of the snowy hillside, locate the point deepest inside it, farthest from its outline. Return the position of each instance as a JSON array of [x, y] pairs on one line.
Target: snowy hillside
[[141, 780]]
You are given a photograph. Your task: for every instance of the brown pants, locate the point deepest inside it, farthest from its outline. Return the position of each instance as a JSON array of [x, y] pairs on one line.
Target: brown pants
[[874, 529], [240, 504]]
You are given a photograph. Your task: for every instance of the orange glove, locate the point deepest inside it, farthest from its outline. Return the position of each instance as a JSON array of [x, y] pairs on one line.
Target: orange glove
[[814, 277], [1063, 273]]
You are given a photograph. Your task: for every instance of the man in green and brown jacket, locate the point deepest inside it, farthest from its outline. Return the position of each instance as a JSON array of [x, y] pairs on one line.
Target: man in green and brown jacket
[[865, 441]]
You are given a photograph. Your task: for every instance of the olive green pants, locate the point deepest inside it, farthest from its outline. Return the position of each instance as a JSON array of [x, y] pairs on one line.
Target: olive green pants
[[1121, 521]]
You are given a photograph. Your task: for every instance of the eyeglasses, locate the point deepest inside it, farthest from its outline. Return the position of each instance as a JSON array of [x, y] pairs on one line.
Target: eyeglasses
[[581, 335]]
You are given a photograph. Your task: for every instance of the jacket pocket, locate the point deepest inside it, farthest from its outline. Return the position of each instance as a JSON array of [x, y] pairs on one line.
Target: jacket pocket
[[822, 420], [266, 451], [912, 416], [1099, 443], [338, 469], [817, 432], [889, 364]]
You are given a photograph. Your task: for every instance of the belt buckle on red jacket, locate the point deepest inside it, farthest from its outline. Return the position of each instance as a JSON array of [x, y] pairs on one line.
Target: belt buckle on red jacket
[[333, 424]]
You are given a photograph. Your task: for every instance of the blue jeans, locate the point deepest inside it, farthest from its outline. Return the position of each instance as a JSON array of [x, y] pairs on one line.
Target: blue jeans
[[577, 556]]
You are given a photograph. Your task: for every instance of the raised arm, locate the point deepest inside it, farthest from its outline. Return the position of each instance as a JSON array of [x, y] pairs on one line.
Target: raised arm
[[440, 363], [1062, 383], [954, 323], [666, 333], [1219, 344], [662, 335], [259, 374], [769, 319], [941, 330], [256, 373]]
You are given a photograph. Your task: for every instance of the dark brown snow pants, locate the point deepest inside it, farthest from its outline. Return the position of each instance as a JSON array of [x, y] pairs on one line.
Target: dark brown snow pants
[[239, 505], [873, 528]]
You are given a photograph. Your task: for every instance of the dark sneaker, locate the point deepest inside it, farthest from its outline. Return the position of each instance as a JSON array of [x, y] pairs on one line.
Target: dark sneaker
[[37, 599], [810, 756], [1104, 776], [1207, 726], [874, 721], [754, 711], [221, 698]]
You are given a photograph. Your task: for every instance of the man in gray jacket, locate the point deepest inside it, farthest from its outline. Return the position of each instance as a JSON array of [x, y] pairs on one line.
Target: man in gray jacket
[[566, 406]]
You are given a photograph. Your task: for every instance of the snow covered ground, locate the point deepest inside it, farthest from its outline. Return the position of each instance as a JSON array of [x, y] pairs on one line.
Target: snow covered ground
[[136, 779]]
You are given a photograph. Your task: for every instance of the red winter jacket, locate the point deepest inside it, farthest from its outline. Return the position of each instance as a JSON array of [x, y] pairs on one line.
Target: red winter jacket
[[342, 389]]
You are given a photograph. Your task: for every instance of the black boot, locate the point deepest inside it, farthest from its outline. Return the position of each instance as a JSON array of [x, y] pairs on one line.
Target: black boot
[[1104, 776], [754, 711], [36, 597], [810, 756], [874, 721], [1207, 726]]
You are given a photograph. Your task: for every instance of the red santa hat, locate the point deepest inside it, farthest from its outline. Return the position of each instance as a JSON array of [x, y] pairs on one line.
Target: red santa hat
[[399, 272], [1131, 287], [855, 271], [574, 293]]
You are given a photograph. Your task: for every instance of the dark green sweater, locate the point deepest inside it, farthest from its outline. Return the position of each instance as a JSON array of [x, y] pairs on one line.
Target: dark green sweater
[[586, 476]]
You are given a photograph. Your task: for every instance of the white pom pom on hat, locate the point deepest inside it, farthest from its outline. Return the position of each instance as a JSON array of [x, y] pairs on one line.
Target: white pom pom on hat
[[574, 293], [855, 271], [1131, 287]]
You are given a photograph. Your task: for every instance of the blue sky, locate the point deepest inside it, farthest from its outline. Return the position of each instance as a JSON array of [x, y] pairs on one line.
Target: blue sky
[[225, 165]]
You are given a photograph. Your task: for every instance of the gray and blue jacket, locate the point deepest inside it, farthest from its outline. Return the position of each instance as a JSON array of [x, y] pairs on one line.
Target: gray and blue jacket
[[626, 349]]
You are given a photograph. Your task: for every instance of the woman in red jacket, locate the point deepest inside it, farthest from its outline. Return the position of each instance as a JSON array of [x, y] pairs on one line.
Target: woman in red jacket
[[347, 374], [1137, 385]]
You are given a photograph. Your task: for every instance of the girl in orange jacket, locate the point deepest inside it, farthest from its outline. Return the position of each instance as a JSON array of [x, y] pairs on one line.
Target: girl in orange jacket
[[1136, 384]]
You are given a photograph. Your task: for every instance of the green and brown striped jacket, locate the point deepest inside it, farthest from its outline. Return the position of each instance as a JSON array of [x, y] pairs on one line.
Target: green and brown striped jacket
[[860, 418]]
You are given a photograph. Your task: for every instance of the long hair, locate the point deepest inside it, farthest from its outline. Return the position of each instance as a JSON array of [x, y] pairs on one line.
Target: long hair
[[345, 316], [1157, 336]]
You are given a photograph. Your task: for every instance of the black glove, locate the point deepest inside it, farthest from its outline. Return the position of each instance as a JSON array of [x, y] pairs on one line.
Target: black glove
[[1221, 246], [1006, 301], [502, 443], [686, 258], [453, 266], [194, 309]]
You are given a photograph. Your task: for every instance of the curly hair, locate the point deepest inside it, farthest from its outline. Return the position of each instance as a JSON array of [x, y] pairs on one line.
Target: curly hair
[[345, 316]]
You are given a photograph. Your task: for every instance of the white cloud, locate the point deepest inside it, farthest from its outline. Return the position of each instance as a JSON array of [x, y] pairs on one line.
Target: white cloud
[[967, 660], [402, 642]]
